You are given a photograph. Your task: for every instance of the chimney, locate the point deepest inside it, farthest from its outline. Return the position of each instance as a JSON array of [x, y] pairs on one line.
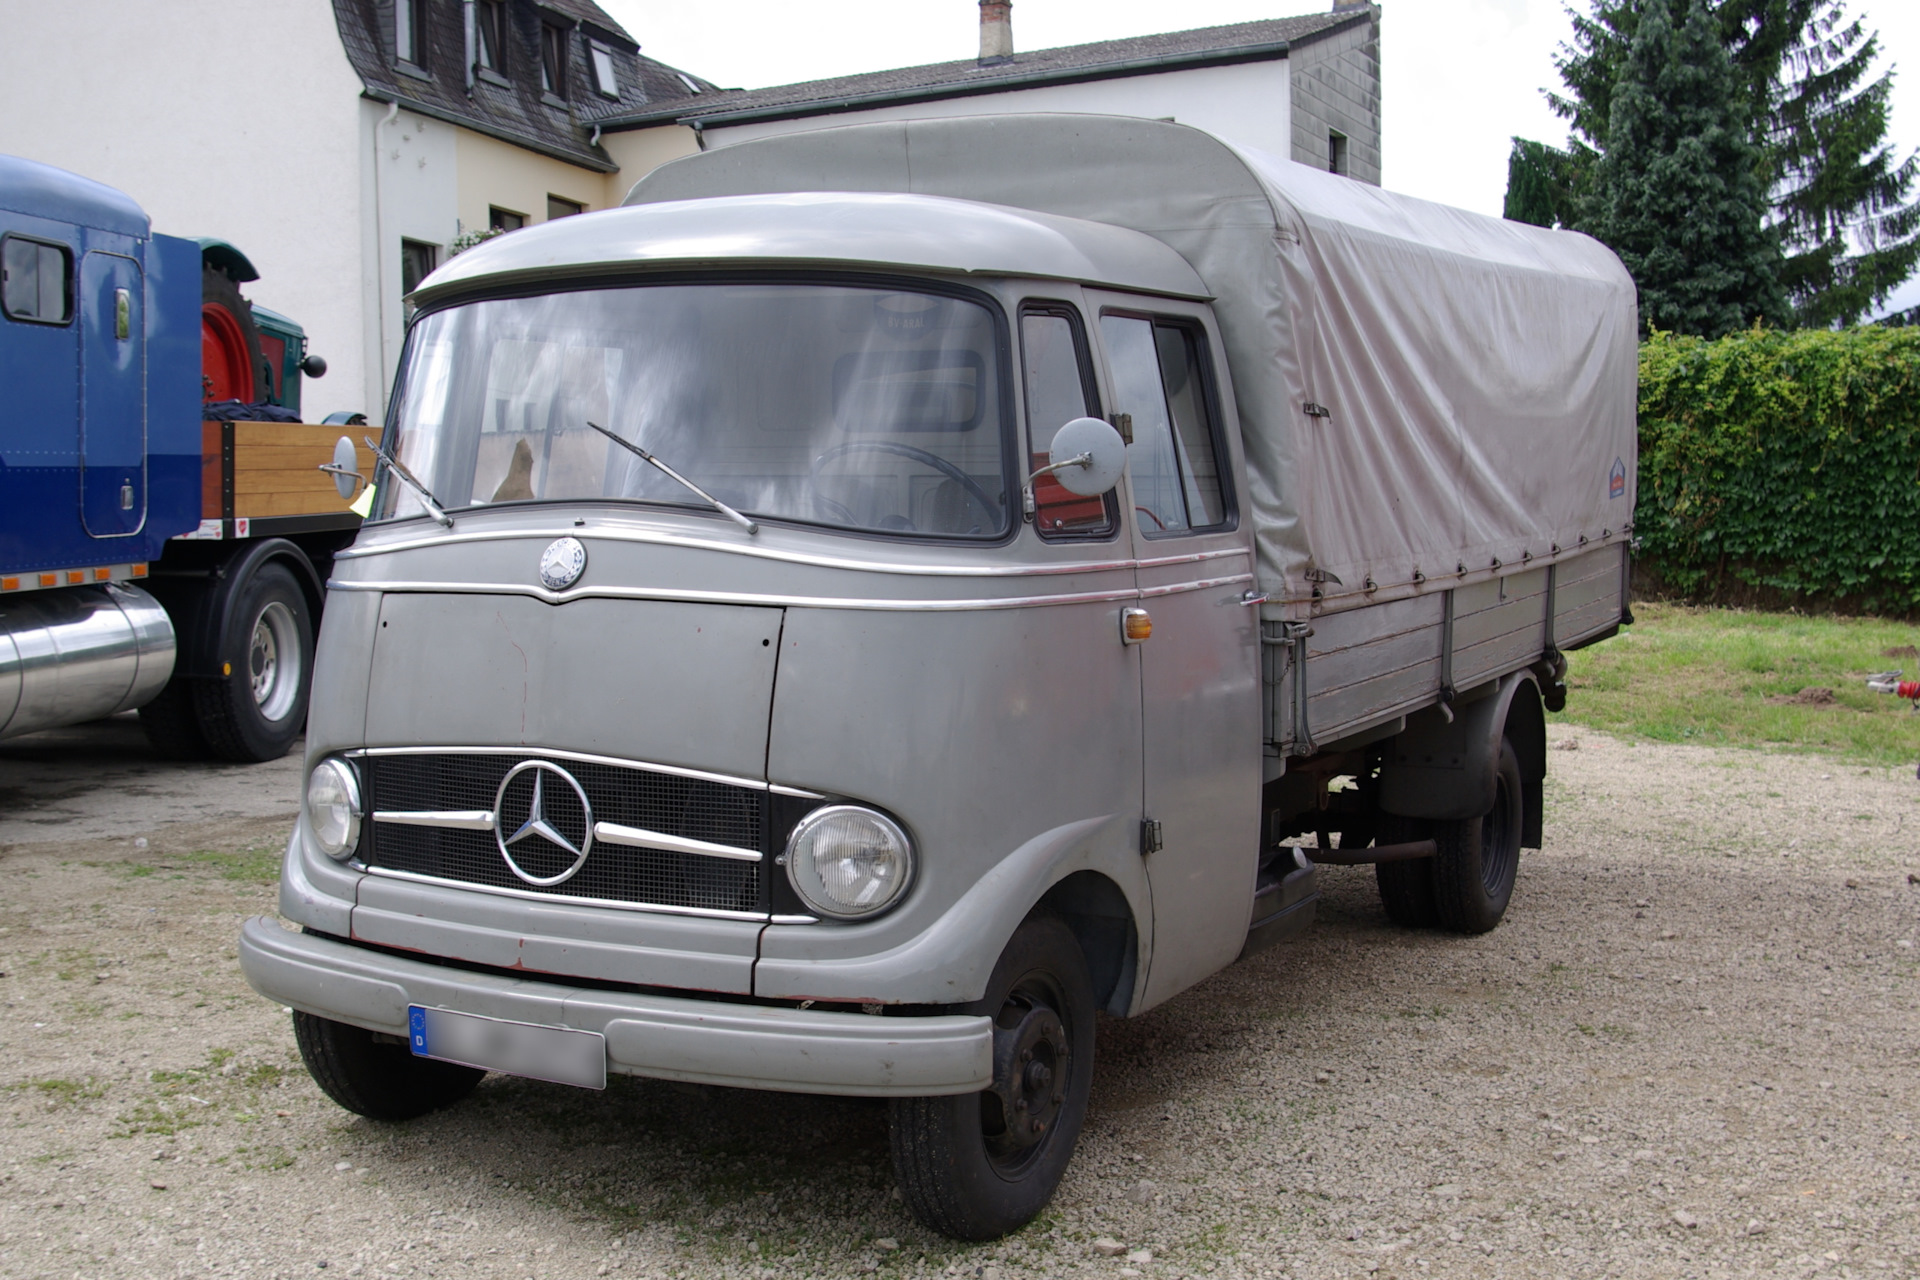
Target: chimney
[[996, 31]]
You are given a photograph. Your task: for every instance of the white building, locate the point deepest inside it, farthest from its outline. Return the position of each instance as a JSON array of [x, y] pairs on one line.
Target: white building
[[342, 147], [1305, 88]]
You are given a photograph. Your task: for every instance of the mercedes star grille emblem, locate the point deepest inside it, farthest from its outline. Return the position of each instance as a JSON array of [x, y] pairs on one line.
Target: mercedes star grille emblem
[[562, 563], [542, 823]]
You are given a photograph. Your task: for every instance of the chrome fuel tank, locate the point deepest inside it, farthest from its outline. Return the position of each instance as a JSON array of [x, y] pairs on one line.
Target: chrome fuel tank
[[80, 653]]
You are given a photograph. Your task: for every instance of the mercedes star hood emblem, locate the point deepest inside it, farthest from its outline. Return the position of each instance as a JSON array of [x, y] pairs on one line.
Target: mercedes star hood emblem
[[562, 563]]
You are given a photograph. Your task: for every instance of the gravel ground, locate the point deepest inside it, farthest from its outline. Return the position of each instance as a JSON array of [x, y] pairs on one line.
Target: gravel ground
[[1690, 1051]]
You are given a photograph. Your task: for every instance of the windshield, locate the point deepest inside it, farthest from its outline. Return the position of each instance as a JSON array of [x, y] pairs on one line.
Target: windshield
[[863, 408]]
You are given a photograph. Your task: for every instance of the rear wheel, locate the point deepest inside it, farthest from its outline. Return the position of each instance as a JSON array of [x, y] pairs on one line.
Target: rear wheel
[[257, 706], [377, 1078], [1479, 858], [979, 1165], [1406, 888]]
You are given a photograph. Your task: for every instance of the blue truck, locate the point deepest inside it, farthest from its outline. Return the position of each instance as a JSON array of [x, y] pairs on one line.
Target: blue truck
[[153, 555]]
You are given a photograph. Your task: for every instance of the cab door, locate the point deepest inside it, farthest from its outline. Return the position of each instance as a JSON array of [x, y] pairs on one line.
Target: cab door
[[1199, 669], [113, 409]]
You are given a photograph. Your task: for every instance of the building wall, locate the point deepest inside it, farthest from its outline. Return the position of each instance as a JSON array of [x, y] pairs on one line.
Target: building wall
[[1247, 103], [1336, 85], [640, 151], [493, 173], [410, 167], [259, 148]]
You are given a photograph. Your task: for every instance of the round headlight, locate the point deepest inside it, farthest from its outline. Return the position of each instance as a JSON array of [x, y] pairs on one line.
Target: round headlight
[[333, 808], [847, 862]]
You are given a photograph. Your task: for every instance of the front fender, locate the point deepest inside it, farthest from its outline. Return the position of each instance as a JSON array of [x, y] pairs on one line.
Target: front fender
[[950, 961]]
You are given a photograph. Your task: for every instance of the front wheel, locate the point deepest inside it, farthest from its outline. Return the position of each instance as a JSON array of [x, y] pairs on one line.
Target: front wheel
[[377, 1077], [980, 1165]]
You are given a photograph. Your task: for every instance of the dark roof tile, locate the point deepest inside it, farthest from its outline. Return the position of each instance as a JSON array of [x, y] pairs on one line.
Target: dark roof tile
[[517, 111]]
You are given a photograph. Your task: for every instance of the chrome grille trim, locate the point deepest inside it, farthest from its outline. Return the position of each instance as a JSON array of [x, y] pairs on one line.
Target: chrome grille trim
[[640, 838], [556, 753], [566, 899], [449, 819]]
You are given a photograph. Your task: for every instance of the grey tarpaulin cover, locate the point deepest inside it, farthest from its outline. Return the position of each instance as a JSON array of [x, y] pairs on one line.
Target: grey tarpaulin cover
[[1479, 376]]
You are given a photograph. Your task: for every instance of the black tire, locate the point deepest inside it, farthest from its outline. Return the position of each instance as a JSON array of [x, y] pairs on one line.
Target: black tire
[[1406, 888], [172, 725], [257, 707], [374, 1078], [216, 290], [963, 1170], [1474, 870]]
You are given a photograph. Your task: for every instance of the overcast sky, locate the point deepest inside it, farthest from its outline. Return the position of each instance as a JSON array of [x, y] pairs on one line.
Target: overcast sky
[[1459, 77]]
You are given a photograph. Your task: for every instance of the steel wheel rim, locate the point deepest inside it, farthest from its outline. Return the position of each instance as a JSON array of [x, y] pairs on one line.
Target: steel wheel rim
[[273, 661], [1036, 990], [1499, 832]]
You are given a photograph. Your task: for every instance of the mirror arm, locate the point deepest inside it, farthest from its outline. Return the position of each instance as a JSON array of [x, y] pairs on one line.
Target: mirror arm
[[1081, 460], [333, 470]]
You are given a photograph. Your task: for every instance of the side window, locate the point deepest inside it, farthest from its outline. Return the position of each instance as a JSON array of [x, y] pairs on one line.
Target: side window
[[36, 280], [1059, 385], [1159, 379]]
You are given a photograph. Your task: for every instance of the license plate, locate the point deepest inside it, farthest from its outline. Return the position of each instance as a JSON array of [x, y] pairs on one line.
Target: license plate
[[559, 1054]]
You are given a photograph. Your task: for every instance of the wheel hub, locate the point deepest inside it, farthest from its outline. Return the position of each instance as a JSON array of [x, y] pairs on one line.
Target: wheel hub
[[1030, 1059]]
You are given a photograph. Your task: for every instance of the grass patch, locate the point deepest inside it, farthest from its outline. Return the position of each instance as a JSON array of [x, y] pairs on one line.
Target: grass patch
[[248, 866], [63, 1090], [1735, 678]]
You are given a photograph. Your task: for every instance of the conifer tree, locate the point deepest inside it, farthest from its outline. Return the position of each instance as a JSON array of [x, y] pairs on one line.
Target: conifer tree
[[1839, 198], [1677, 193]]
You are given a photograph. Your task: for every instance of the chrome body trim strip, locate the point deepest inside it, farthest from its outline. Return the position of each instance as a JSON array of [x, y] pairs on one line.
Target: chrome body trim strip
[[1147, 593], [567, 899], [528, 752], [794, 920], [641, 838], [774, 601], [812, 559], [795, 792], [450, 819]]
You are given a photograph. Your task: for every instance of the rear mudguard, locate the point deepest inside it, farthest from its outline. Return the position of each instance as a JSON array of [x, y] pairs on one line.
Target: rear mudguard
[[1442, 765]]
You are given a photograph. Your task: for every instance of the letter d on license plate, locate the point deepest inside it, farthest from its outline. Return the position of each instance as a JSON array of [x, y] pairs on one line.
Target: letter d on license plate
[[559, 1054]]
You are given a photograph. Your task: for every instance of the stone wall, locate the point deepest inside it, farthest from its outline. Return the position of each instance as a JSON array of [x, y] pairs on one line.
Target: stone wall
[[1336, 87]]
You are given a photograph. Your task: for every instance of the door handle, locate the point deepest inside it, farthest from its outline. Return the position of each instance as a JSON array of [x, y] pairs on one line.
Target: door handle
[[1253, 598]]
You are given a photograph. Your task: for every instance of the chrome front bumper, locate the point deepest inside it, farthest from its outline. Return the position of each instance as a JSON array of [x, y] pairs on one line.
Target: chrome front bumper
[[668, 1037]]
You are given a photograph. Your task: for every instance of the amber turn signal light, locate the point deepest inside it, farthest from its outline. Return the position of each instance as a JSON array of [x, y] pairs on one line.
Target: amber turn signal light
[[1135, 625]]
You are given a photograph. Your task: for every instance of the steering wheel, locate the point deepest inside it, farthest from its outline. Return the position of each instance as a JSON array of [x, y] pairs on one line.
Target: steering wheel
[[968, 485], [1159, 524]]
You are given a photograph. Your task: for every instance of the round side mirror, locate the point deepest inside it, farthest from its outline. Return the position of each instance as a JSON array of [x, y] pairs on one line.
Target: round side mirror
[[1087, 457], [314, 367], [345, 470]]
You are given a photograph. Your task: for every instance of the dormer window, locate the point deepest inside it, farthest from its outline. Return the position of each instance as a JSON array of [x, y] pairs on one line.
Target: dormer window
[[603, 77], [410, 32], [489, 35], [553, 59]]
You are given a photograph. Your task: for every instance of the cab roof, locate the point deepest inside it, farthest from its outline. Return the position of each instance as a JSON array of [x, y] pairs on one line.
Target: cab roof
[[42, 191], [856, 230]]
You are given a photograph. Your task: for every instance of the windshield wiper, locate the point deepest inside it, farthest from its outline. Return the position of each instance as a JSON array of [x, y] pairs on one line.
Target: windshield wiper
[[718, 505], [420, 491]]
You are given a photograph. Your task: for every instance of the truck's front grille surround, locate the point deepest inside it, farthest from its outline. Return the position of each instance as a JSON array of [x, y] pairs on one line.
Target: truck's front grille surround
[[633, 796]]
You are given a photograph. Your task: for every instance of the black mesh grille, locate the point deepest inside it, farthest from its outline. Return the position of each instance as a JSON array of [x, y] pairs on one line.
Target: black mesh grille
[[715, 812]]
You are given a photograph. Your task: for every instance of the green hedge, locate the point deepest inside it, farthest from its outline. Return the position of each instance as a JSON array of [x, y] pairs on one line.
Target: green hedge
[[1783, 468]]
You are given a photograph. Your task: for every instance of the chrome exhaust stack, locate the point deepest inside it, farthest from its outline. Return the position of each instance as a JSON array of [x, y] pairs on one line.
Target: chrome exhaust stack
[[80, 653]]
